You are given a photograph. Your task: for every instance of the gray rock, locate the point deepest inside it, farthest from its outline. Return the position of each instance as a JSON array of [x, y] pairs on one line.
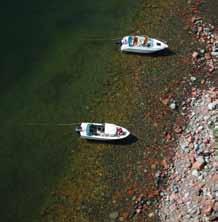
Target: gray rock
[[157, 174], [201, 177], [175, 188], [195, 173], [162, 194], [185, 148], [194, 29], [202, 51], [173, 105], [148, 202], [211, 106], [114, 215], [151, 214], [193, 78], [200, 159], [207, 30]]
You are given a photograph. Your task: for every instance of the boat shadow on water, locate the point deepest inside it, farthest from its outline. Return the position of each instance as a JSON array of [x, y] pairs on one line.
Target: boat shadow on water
[[165, 52], [127, 141]]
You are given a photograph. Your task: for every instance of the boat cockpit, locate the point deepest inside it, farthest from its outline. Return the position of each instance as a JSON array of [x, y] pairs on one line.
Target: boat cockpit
[[139, 41], [96, 130]]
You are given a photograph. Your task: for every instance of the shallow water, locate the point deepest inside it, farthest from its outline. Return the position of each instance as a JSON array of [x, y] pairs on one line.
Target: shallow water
[[53, 62]]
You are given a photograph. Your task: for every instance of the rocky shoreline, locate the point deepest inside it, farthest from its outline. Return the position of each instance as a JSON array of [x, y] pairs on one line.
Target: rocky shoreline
[[192, 187], [192, 192]]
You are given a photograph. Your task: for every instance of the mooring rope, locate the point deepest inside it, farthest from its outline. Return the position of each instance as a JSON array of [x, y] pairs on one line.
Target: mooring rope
[[99, 39], [51, 124]]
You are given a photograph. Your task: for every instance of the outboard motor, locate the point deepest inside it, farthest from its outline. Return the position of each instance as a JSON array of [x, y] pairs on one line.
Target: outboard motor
[[78, 129], [118, 42]]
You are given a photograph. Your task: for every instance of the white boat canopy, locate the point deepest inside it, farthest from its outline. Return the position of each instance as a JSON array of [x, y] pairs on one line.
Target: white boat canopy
[[110, 130]]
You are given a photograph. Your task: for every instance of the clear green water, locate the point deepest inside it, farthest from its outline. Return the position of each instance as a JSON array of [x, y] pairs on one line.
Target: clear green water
[[50, 71]]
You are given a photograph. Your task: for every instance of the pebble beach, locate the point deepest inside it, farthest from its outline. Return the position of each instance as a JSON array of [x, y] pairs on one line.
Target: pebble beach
[[192, 190]]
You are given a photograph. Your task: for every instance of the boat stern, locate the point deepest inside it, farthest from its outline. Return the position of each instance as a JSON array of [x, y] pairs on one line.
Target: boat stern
[[78, 129], [82, 129], [125, 43]]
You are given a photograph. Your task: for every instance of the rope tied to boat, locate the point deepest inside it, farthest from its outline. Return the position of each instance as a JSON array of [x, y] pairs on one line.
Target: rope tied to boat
[[51, 124]]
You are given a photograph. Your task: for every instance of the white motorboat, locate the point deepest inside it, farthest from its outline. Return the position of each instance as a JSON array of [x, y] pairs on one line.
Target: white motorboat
[[141, 44], [102, 131]]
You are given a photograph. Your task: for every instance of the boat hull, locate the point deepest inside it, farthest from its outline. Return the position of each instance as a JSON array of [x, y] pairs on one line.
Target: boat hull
[[84, 135], [140, 51], [152, 46], [104, 138]]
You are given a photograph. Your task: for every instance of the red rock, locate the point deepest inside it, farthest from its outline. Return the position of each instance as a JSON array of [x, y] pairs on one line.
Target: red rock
[[194, 55], [190, 139], [194, 93], [207, 56], [198, 166], [173, 196], [178, 129], [211, 69], [168, 136], [138, 211], [165, 100], [178, 178], [165, 164], [191, 145], [215, 177], [130, 192], [207, 207], [200, 29], [215, 207], [207, 141]]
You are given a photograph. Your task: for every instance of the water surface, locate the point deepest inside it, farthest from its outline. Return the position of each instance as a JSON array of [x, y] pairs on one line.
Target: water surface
[[53, 63]]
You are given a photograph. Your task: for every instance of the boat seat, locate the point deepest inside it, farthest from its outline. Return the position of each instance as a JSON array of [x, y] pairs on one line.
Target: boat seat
[[130, 42]]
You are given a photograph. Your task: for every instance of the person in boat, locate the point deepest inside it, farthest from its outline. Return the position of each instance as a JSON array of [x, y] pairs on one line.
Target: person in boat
[[120, 131], [100, 130], [145, 40], [135, 40]]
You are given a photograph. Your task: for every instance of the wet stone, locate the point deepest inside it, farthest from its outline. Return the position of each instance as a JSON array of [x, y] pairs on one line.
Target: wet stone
[[173, 105], [195, 173], [193, 78], [195, 55], [121, 219], [148, 203], [151, 214], [175, 188], [114, 215]]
